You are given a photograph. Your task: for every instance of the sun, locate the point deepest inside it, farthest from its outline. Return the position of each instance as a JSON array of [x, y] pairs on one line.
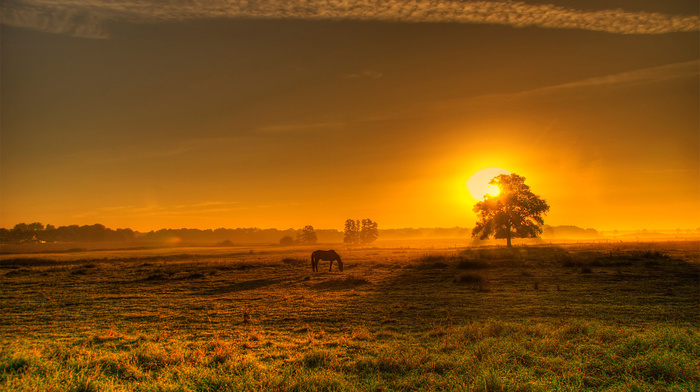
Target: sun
[[479, 186]]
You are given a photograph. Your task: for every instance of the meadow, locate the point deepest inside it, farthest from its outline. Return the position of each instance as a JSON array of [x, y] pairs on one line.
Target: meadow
[[610, 317]]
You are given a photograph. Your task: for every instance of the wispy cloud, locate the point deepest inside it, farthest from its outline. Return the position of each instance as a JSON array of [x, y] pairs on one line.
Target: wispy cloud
[[366, 74], [300, 127], [638, 76], [444, 108], [91, 18]]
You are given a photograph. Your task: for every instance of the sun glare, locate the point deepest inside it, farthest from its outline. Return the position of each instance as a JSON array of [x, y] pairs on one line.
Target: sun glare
[[479, 186]]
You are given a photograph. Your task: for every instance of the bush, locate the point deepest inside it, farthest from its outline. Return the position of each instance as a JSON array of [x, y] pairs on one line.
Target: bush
[[287, 241], [433, 262], [468, 278]]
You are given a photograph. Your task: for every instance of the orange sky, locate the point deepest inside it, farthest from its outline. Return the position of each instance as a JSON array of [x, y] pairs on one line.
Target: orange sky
[[222, 116]]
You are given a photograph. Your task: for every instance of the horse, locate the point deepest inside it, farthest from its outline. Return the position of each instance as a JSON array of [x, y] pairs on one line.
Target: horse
[[326, 255]]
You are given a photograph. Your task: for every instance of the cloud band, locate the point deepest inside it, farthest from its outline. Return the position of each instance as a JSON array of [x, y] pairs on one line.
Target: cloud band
[[89, 18]]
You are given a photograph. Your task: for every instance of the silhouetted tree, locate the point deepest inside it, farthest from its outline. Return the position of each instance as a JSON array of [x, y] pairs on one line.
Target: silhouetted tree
[[24, 232], [36, 226], [124, 234], [514, 212], [5, 236], [307, 235], [356, 232], [369, 231], [351, 234]]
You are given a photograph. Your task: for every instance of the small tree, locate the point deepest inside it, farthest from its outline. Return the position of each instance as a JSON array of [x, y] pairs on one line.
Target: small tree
[[286, 241], [307, 235], [352, 232], [369, 231], [514, 212]]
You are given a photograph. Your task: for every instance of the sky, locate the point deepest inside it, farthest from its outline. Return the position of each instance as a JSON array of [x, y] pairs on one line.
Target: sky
[[208, 114]]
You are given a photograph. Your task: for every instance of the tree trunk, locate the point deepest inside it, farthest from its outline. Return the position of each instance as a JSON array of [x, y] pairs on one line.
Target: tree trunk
[[508, 243]]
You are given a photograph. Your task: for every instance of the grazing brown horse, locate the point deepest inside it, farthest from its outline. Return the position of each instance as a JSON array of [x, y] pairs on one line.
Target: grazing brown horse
[[326, 255]]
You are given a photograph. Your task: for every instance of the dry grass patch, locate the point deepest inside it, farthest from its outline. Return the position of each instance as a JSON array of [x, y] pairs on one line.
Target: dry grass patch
[[348, 281], [295, 262]]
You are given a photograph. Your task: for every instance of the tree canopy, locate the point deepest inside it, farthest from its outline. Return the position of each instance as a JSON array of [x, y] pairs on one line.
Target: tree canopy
[[357, 232], [307, 235], [514, 212]]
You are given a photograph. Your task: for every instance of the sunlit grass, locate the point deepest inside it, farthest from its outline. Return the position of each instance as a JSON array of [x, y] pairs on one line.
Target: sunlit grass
[[484, 354], [522, 319]]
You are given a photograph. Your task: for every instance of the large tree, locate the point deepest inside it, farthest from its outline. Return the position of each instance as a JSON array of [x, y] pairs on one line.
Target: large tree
[[369, 231], [514, 212], [307, 235], [357, 232]]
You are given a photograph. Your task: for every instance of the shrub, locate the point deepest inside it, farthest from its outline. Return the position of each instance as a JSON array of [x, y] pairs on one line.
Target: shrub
[[436, 265], [155, 276], [468, 278], [79, 271], [287, 241], [432, 262]]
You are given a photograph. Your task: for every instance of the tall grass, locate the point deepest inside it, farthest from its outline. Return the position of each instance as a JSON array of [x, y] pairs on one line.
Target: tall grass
[[477, 356]]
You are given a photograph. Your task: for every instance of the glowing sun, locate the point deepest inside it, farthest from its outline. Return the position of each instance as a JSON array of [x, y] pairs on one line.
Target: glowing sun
[[479, 185]]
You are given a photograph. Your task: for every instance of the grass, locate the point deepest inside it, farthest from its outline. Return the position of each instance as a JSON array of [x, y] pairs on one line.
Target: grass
[[394, 320]]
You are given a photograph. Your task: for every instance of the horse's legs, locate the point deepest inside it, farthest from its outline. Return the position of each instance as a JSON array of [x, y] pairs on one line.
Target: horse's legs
[[330, 267]]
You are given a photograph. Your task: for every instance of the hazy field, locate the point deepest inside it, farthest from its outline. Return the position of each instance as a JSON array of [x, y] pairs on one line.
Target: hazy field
[[574, 317]]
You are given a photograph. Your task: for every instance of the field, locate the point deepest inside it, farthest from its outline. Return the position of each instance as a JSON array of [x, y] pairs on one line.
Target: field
[[618, 317]]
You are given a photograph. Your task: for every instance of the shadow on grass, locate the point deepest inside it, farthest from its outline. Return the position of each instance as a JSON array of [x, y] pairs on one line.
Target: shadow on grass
[[539, 282], [27, 262], [242, 286]]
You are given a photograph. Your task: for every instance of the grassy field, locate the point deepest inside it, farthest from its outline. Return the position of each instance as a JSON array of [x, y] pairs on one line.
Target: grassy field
[[617, 317]]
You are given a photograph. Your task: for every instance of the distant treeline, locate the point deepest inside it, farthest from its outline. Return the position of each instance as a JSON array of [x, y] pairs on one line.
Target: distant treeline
[[37, 232], [240, 235]]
